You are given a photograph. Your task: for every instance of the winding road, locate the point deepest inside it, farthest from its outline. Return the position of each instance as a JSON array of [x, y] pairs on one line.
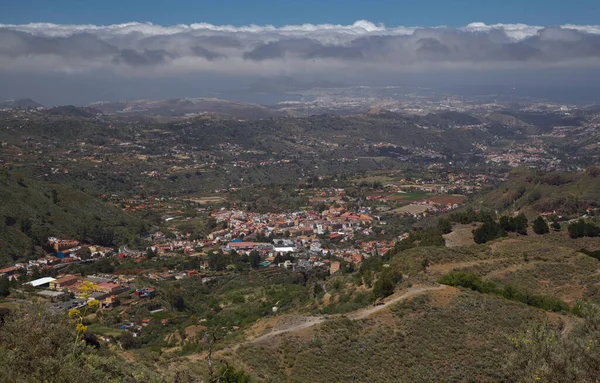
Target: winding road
[[310, 321]]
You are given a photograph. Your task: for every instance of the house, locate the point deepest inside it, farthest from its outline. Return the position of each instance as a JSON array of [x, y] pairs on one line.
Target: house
[[109, 287], [41, 282], [61, 283], [8, 271], [110, 302], [145, 293]]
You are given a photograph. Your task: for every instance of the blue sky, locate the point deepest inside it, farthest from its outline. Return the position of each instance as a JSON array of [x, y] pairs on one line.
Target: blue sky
[[283, 12]]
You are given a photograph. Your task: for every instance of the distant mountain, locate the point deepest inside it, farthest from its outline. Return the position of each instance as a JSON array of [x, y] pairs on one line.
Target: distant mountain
[[450, 117], [72, 111], [186, 106], [21, 103]]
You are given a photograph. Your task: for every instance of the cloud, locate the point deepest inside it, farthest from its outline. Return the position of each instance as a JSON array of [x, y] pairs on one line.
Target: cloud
[[124, 48], [190, 55]]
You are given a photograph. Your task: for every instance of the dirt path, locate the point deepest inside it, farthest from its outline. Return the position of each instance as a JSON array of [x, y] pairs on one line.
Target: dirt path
[[307, 322]]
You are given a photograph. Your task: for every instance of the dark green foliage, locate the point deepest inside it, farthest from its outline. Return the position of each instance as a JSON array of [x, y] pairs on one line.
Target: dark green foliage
[[540, 226], [128, 341], [444, 225], [521, 224], [474, 282], [491, 230], [593, 254], [254, 259], [488, 231], [420, 238], [228, 374], [469, 215], [4, 287], [383, 287], [582, 228]]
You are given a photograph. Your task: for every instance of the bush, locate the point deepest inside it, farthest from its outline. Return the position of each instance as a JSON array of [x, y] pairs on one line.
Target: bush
[[473, 282], [383, 287]]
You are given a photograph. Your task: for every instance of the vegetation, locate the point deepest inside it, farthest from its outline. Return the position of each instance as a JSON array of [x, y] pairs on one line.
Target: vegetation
[[491, 230], [463, 339], [540, 226], [474, 282], [581, 228], [42, 346], [537, 191], [31, 211], [543, 354]]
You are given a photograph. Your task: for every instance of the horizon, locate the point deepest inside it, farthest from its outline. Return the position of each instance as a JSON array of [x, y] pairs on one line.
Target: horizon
[[71, 52]]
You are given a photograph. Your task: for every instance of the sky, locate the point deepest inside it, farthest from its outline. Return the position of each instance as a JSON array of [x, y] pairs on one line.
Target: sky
[[285, 12], [77, 52]]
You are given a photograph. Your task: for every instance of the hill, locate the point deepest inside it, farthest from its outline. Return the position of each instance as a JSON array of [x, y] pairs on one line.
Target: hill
[[21, 103], [565, 193], [186, 106], [436, 335], [31, 211]]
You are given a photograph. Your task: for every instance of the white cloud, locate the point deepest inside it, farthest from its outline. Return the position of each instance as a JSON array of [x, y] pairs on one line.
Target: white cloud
[[149, 49]]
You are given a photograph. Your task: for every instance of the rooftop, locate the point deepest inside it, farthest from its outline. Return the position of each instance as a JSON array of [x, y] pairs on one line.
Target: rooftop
[[41, 281]]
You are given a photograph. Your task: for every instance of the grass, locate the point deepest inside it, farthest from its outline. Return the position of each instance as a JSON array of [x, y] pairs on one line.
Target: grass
[[107, 331], [410, 196]]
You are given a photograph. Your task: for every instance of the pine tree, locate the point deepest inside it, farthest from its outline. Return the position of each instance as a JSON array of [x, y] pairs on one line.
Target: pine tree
[[540, 226]]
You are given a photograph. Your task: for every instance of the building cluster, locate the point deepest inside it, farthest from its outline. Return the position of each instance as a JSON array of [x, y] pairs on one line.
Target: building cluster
[[242, 224]]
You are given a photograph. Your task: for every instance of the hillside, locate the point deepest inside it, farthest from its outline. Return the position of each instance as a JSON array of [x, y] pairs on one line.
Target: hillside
[[186, 106], [436, 335], [21, 103], [567, 193], [31, 211]]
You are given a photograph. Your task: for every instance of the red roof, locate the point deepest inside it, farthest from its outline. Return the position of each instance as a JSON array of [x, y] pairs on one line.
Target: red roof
[[241, 244]]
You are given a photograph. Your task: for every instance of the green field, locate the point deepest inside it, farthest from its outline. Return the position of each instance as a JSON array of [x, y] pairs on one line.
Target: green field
[[410, 196]]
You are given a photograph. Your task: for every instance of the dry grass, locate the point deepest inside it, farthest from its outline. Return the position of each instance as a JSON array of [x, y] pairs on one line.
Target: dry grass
[[444, 336], [461, 235]]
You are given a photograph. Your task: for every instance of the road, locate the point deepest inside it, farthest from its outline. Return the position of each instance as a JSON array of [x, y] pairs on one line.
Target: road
[[356, 315]]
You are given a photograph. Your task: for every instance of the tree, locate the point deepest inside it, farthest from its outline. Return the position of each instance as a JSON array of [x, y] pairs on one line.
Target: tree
[[540, 226], [4, 286], [217, 260], [255, 259], [444, 225], [176, 301], [556, 226], [84, 253], [521, 224], [128, 341], [151, 253], [383, 287]]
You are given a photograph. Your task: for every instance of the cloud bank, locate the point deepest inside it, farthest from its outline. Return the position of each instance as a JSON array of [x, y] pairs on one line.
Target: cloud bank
[[145, 49]]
